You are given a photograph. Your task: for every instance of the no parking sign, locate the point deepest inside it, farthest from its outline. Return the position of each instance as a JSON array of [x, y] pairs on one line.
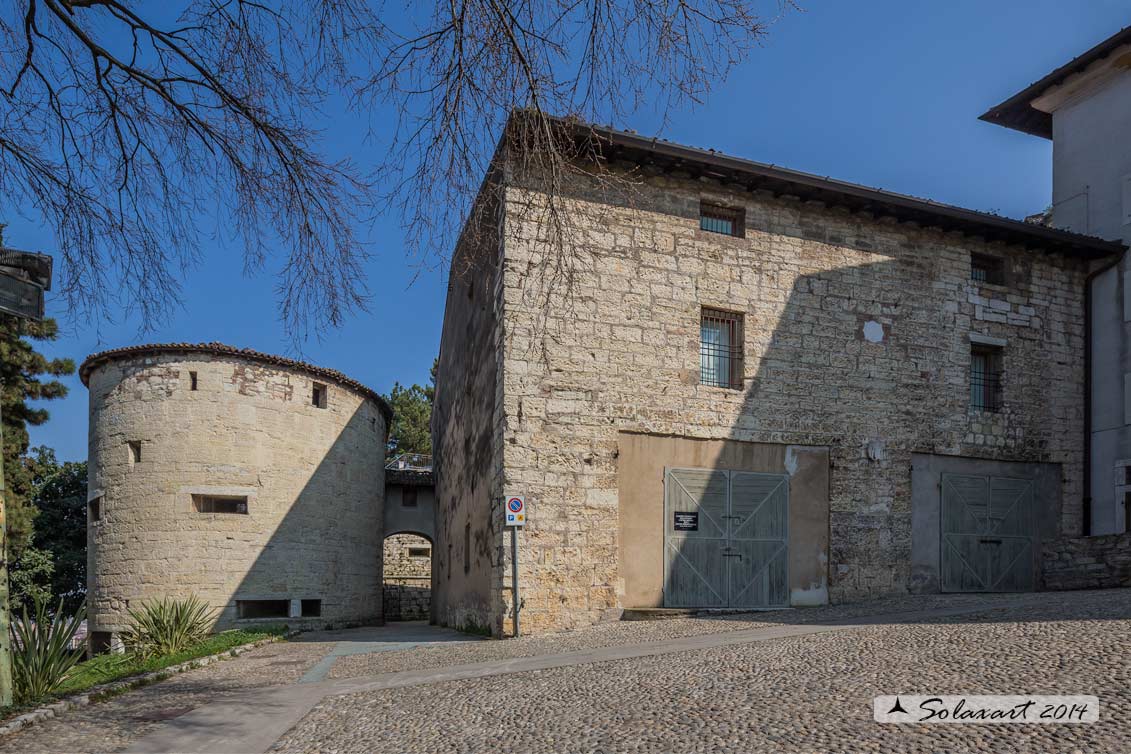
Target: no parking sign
[[516, 510]]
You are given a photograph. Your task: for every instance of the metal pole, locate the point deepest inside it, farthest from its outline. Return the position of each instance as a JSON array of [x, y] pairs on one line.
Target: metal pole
[[5, 613], [514, 575]]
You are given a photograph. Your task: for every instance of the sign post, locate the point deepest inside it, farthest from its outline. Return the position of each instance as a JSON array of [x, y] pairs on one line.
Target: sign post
[[24, 276], [516, 518]]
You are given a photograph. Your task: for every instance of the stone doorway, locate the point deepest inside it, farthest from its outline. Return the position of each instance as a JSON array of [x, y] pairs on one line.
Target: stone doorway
[[407, 587]]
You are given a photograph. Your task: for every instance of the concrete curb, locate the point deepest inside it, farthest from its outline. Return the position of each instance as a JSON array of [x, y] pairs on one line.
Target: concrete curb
[[109, 690]]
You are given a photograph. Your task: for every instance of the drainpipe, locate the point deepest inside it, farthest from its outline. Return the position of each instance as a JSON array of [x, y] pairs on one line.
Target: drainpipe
[[1086, 524]]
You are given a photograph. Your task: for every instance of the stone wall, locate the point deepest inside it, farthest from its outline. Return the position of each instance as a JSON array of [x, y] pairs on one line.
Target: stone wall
[[857, 336], [312, 478], [401, 560], [1088, 562], [406, 599], [467, 424]]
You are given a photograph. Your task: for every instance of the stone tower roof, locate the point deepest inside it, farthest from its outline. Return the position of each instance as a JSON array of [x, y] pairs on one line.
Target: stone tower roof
[[221, 349]]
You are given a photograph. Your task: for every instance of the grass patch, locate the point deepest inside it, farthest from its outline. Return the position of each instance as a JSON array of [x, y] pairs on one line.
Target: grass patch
[[114, 667], [471, 627]]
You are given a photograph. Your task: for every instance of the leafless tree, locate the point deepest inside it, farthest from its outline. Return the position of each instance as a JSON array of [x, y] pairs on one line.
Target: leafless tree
[[124, 122]]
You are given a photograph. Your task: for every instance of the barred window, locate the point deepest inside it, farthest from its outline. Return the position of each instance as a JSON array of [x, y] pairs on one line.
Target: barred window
[[987, 269], [720, 349], [985, 378], [716, 219]]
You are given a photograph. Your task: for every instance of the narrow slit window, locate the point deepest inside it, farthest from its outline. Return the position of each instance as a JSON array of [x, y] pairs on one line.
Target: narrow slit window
[[135, 451], [192, 380], [985, 378], [318, 395], [419, 552], [94, 510], [220, 504], [466, 548], [720, 349], [987, 269], [725, 220], [408, 497]]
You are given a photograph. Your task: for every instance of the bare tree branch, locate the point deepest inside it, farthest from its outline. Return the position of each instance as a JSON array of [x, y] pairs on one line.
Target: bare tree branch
[[123, 124], [121, 128]]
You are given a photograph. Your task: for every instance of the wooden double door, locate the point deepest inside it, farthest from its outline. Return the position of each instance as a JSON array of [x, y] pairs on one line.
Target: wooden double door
[[726, 539]]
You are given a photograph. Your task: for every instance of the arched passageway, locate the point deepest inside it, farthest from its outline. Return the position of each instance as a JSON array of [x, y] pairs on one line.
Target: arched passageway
[[407, 587]]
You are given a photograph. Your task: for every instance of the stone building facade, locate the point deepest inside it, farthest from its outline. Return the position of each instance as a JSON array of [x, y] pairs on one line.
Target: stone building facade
[[252, 481], [860, 316]]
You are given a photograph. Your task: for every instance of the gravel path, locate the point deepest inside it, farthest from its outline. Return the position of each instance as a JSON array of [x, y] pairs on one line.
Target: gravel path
[[113, 724], [807, 694]]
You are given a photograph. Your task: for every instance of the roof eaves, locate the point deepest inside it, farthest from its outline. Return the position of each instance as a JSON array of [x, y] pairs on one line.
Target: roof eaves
[[222, 349], [1017, 112], [925, 211]]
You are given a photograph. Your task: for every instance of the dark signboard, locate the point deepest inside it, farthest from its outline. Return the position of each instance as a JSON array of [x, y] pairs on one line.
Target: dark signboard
[[686, 521]]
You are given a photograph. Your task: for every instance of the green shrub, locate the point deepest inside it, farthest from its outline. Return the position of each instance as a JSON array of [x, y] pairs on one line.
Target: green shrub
[[42, 658], [167, 626]]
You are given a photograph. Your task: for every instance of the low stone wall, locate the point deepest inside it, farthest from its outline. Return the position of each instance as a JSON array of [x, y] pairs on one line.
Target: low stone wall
[[407, 599], [1088, 562]]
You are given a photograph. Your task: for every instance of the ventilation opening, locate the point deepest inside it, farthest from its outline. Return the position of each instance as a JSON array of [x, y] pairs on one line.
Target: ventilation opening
[[311, 608], [419, 552], [192, 380], [252, 609], [100, 642], [135, 451], [216, 504], [94, 510], [318, 395]]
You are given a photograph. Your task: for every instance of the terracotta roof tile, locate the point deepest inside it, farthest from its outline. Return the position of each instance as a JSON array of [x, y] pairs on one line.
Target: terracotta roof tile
[[222, 349]]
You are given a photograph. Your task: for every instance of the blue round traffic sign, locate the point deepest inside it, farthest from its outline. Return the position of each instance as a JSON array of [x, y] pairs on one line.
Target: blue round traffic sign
[[515, 504]]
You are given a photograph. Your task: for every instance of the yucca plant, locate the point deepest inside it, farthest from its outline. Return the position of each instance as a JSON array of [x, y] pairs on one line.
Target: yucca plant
[[42, 655], [167, 626]]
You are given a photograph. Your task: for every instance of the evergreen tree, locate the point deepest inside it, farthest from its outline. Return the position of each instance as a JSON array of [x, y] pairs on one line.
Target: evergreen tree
[[21, 369], [412, 414], [60, 531]]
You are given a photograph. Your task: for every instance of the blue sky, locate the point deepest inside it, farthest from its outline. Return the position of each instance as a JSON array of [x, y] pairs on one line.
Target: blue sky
[[882, 93]]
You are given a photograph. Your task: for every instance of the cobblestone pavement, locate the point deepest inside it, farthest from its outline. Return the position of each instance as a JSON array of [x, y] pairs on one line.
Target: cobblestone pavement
[[613, 634], [802, 694], [808, 693]]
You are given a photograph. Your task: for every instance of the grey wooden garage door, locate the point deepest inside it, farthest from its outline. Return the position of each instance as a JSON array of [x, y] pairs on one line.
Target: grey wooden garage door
[[726, 539], [988, 533]]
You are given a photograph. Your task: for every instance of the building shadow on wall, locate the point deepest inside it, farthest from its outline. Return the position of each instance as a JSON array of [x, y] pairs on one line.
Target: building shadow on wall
[[861, 360], [321, 564]]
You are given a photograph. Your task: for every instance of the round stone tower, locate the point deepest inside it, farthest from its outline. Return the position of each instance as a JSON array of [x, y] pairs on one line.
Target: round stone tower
[[253, 481]]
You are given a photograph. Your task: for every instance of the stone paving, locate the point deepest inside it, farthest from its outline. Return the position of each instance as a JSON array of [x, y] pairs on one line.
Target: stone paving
[[110, 725], [614, 634], [802, 694], [806, 693]]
